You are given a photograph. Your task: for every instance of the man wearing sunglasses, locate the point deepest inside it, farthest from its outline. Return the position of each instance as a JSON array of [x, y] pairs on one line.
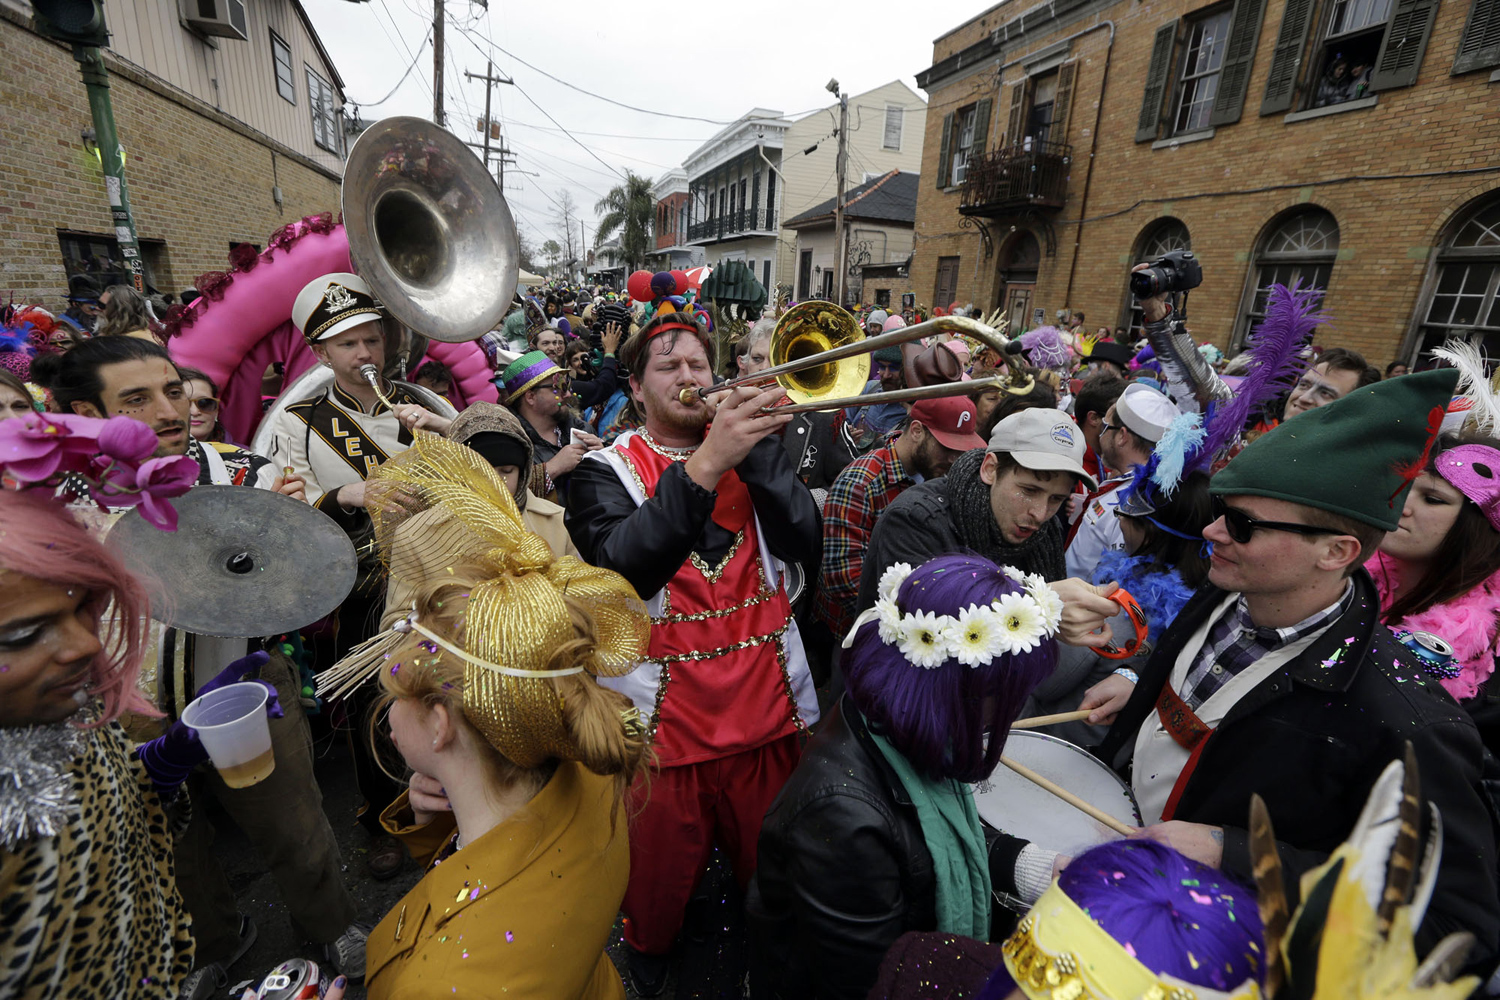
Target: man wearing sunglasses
[[1279, 679], [535, 388]]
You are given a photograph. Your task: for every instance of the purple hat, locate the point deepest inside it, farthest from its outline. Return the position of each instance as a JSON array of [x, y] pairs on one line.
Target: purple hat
[[523, 374]]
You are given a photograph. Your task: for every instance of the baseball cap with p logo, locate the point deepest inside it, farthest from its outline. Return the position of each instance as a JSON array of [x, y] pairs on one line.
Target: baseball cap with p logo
[[952, 420]]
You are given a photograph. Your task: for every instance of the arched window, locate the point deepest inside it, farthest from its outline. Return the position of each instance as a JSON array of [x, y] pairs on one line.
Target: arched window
[[1463, 299], [1156, 239], [1301, 247]]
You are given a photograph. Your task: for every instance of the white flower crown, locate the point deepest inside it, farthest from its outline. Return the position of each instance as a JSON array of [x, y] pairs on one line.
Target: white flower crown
[[1015, 623]]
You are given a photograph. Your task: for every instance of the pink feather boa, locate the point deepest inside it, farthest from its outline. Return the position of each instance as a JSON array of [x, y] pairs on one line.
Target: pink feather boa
[[1470, 623]]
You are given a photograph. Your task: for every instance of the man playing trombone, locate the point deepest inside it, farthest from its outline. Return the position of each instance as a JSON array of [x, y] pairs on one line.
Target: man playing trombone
[[702, 519]]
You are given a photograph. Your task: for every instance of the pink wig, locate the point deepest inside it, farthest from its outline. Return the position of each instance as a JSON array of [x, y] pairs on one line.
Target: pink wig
[[40, 540]]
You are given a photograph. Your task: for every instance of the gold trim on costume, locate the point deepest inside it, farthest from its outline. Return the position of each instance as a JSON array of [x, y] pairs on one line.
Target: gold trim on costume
[[669, 618], [1059, 953], [713, 654], [712, 574]]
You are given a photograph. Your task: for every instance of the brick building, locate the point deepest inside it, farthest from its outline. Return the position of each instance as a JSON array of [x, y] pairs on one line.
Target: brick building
[[1353, 144], [226, 140]]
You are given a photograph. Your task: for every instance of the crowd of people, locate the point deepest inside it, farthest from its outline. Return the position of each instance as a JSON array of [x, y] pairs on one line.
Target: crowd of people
[[613, 617]]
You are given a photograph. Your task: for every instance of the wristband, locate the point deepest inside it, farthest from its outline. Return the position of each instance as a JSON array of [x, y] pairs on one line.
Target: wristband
[[1128, 674]]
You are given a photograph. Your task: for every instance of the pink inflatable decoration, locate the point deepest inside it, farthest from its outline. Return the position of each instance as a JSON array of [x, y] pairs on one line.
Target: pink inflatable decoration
[[243, 323]]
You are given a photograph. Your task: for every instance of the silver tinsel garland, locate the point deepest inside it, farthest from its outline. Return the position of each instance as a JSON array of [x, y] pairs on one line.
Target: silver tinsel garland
[[36, 788]]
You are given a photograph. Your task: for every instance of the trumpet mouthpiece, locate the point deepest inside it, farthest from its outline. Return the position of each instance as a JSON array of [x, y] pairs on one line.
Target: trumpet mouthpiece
[[688, 397], [370, 373]]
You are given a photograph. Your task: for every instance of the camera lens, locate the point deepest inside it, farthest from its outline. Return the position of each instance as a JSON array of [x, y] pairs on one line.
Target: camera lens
[[1144, 284]]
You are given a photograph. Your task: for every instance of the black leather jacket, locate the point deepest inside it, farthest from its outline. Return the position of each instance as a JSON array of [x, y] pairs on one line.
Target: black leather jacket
[[843, 870]]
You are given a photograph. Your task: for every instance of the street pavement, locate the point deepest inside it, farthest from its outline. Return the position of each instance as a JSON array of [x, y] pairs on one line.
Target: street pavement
[[710, 959]]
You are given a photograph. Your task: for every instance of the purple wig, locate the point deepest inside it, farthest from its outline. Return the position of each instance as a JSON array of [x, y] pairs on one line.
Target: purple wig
[[950, 721], [1177, 916]]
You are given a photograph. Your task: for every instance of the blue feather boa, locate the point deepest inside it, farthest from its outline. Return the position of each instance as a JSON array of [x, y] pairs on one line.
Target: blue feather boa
[[1160, 593]]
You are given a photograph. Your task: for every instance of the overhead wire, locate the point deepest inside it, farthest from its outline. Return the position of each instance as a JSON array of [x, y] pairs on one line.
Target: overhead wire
[[413, 65]]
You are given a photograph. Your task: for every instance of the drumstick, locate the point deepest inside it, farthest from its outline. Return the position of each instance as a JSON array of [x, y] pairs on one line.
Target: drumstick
[[1038, 721], [1068, 797]]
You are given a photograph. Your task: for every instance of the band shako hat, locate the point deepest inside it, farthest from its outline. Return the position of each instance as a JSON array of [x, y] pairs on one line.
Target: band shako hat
[[329, 305]]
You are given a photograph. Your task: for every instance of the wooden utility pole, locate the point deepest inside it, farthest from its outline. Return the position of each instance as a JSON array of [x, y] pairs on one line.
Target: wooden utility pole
[[841, 241], [437, 64], [490, 79]]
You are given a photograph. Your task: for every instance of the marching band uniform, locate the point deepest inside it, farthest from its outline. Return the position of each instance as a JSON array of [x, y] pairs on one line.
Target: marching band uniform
[[726, 685], [332, 441]]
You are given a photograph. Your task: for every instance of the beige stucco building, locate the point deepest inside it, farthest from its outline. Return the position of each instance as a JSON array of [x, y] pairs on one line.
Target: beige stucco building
[[886, 128]]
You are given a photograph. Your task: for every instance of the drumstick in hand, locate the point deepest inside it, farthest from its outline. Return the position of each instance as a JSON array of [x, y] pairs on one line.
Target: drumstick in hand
[[1038, 721], [1068, 797]]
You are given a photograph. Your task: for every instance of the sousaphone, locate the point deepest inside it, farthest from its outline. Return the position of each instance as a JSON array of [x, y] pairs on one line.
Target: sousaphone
[[429, 230]]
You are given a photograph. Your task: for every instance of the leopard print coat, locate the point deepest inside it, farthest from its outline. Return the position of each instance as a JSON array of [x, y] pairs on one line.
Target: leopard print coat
[[93, 911]]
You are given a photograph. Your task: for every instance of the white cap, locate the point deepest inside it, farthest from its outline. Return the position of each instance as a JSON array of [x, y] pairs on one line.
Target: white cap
[[1146, 411], [329, 305], [1043, 440]]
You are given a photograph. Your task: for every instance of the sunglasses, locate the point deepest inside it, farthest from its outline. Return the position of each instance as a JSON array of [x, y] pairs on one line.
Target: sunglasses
[[205, 404], [1242, 526]]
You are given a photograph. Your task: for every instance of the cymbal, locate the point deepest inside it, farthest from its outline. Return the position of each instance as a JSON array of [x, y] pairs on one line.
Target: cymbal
[[242, 562]]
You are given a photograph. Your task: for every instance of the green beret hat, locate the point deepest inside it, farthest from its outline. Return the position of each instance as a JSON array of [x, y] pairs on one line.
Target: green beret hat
[[890, 355], [1356, 456]]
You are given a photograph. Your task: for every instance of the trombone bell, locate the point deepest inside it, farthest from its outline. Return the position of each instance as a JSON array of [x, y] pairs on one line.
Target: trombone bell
[[811, 328]]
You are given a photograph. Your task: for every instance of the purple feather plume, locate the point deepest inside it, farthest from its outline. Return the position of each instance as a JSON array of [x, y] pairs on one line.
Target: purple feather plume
[[1275, 347]]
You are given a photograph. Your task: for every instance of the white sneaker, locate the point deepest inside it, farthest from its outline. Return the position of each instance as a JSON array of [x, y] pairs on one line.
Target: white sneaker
[[347, 953]]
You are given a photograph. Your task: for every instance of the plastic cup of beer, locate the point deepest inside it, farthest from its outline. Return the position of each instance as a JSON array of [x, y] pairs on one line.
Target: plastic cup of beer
[[232, 726]]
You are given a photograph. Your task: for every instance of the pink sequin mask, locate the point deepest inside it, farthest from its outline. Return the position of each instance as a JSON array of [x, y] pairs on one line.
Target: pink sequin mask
[[1474, 470]]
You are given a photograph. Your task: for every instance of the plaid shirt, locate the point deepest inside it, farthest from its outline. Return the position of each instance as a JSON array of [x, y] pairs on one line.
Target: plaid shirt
[[866, 487], [1235, 642]]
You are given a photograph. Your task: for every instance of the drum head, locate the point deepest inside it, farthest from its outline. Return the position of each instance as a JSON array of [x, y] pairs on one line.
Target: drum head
[[1014, 805]]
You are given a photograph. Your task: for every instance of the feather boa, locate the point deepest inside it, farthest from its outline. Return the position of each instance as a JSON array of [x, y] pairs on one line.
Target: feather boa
[[1160, 593], [1470, 623]]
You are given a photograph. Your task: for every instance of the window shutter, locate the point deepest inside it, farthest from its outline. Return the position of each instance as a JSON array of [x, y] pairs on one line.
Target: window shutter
[[1480, 46], [982, 112], [1405, 40], [892, 139], [1156, 83], [1286, 58], [1017, 121], [1239, 57], [945, 153], [1062, 104]]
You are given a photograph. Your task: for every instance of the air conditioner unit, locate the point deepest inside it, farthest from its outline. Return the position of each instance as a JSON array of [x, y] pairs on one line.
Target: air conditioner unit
[[225, 18]]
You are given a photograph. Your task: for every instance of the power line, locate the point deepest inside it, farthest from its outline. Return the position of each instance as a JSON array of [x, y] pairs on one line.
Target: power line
[[617, 135], [397, 39], [420, 49], [522, 91]]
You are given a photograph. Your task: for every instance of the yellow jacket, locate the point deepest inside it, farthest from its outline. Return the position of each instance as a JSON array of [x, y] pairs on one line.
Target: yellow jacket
[[524, 911]]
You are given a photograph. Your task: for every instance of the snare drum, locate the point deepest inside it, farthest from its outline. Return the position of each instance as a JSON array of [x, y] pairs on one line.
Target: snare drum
[[1014, 805]]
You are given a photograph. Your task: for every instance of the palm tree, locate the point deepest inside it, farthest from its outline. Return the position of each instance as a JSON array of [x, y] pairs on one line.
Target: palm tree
[[629, 208]]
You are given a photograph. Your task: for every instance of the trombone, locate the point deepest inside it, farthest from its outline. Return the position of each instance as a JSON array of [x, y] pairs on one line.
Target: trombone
[[819, 357]]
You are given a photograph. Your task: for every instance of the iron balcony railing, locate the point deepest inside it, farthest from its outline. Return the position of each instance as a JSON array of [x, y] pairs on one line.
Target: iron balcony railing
[[746, 220], [1033, 174]]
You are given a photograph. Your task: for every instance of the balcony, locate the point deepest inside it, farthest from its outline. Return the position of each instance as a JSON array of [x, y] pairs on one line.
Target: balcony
[[732, 224], [1014, 178]]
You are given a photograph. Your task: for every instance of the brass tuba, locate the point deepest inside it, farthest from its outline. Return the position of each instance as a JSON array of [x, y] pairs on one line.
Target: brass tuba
[[429, 230]]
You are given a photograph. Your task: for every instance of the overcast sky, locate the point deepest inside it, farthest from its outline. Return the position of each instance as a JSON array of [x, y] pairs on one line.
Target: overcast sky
[[724, 59]]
